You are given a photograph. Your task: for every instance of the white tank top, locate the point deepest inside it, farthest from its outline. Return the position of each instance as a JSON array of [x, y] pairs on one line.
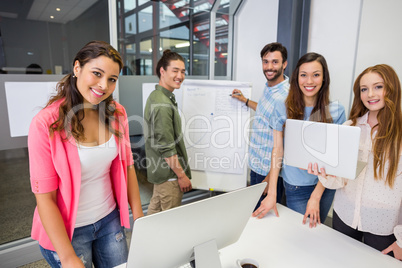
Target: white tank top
[[96, 195]]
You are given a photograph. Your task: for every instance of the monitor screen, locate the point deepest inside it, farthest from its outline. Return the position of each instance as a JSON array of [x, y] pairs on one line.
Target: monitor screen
[[168, 239]]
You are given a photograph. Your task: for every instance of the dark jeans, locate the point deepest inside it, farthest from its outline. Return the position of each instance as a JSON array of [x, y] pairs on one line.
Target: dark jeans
[[103, 243], [297, 198], [256, 178], [379, 242]]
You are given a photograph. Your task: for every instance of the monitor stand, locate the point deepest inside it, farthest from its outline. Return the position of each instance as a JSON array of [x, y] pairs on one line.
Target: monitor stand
[[207, 256]]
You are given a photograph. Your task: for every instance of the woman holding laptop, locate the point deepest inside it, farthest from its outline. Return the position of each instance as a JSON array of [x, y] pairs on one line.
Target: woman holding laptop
[[308, 99], [369, 208]]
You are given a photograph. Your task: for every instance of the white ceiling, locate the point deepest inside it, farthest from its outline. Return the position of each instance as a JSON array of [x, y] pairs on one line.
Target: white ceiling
[[42, 10]]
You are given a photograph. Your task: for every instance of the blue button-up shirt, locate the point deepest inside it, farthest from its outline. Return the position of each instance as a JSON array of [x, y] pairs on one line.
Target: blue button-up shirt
[[261, 138]]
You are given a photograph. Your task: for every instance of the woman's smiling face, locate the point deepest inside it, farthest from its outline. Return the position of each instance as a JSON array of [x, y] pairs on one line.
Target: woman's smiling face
[[310, 81], [97, 79], [372, 91]]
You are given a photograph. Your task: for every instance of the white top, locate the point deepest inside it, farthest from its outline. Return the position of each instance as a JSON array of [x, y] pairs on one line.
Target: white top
[[96, 196], [365, 203]]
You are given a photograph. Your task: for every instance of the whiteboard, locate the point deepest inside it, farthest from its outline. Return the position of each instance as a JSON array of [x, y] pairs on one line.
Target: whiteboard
[[24, 101], [215, 132]]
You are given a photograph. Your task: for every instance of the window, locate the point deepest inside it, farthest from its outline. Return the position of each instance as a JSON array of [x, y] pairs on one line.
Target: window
[[145, 63], [145, 19], [183, 26]]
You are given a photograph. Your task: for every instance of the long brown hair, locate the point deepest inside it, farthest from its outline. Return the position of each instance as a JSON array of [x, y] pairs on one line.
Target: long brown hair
[[387, 142], [295, 102], [71, 111]]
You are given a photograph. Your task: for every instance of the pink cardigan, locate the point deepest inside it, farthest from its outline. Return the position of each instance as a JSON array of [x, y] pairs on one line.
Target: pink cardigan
[[55, 165]]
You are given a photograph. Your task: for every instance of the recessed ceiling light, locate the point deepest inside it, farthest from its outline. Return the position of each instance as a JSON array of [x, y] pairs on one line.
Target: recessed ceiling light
[[185, 44], [58, 9], [52, 17]]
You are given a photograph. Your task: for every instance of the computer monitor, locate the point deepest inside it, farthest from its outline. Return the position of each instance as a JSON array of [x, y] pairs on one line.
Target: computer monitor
[[174, 237]]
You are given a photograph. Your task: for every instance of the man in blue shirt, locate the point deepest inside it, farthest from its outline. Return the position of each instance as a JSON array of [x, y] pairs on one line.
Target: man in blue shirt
[[274, 62]]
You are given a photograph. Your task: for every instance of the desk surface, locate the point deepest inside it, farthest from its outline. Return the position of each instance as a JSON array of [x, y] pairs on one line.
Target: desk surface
[[285, 242]]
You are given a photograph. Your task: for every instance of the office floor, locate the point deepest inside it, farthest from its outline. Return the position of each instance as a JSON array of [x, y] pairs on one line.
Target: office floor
[[17, 202]]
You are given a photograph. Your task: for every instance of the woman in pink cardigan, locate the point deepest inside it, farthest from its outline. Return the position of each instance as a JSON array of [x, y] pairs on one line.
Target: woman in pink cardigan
[[81, 166]]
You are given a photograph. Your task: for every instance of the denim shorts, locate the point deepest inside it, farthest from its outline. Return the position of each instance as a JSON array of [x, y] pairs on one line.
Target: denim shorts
[[298, 196], [103, 243]]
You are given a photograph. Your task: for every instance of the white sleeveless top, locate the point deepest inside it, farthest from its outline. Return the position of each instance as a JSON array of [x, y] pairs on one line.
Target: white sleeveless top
[[96, 195]]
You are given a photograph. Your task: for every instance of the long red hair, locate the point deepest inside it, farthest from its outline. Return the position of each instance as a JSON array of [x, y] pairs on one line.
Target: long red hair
[[387, 142]]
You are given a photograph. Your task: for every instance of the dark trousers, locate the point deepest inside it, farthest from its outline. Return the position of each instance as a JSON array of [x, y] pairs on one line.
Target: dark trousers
[[256, 178], [379, 242]]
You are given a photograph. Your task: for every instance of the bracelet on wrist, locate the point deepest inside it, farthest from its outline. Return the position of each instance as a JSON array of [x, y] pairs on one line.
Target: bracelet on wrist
[[247, 102]]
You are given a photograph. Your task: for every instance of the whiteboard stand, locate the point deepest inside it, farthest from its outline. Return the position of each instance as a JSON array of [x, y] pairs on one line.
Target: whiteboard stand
[[211, 100]]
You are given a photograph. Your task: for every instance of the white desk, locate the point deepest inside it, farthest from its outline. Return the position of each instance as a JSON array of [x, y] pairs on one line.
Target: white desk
[[286, 242]]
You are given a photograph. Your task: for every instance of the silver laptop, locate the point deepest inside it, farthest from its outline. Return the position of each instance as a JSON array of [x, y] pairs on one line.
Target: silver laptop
[[168, 239], [334, 147]]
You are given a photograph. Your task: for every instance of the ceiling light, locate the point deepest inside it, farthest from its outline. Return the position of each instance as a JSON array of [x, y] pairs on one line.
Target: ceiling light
[[58, 9], [52, 17], [185, 44]]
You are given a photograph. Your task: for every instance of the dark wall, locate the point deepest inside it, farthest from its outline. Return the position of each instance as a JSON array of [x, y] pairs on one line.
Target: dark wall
[[93, 24], [52, 43]]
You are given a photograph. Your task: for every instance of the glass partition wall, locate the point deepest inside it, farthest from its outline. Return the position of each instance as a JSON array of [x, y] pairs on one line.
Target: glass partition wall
[[46, 35], [200, 30]]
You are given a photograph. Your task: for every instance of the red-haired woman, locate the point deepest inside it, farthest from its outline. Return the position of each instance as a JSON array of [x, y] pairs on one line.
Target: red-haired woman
[[369, 208]]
